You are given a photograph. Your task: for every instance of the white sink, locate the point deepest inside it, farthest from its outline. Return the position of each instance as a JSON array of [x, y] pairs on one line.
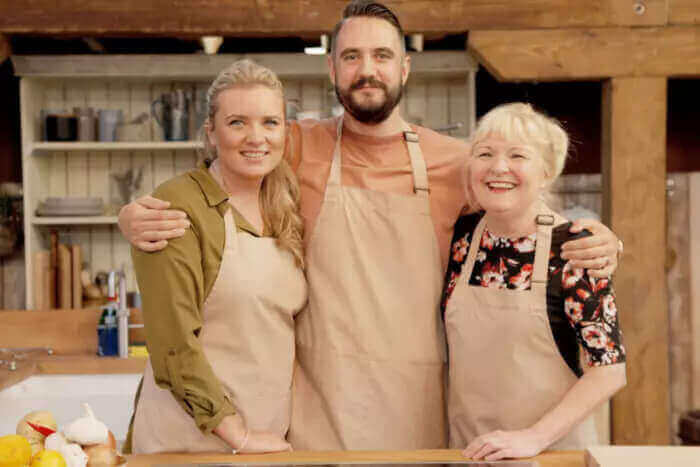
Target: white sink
[[111, 397]]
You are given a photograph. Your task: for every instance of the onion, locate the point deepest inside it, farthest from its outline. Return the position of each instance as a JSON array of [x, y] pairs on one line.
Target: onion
[[101, 456]]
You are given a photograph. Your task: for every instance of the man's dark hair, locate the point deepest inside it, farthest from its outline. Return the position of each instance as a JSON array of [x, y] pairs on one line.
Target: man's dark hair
[[359, 8]]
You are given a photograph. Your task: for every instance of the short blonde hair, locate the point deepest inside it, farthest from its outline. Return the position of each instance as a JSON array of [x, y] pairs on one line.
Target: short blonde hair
[[518, 121], [279, 194]]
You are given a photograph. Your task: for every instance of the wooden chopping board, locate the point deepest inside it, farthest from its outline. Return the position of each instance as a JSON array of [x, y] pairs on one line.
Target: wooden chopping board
[[42, 280], [76, 268], [643, 456], [64, 286]]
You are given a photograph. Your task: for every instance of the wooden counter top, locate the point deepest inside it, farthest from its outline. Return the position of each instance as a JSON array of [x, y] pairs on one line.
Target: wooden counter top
[[89, 364], [547, 459]]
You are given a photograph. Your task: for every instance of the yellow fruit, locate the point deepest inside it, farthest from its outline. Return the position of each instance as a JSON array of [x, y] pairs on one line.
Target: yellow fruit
[[48, 459], [15, 451]]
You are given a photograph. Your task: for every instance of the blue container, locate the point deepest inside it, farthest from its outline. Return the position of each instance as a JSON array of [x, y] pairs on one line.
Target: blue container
[[107, 332]]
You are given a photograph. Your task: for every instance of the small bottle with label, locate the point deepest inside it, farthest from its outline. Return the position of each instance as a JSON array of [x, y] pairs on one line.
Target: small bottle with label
[[108, 328], [107, 332]]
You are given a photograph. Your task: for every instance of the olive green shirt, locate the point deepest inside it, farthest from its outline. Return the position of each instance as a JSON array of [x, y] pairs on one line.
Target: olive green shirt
[[174, 283]]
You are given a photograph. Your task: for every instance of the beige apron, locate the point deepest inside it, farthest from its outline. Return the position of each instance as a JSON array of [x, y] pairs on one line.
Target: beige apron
[[370, 343], [248, 338], [506, 371]]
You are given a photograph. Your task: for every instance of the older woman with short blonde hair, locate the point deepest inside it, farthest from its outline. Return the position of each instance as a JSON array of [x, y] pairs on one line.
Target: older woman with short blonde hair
[[515, 312]]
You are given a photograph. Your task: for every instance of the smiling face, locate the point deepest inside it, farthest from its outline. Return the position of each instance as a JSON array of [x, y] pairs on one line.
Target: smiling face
[[506, 177], [368, 68], [248, 132]]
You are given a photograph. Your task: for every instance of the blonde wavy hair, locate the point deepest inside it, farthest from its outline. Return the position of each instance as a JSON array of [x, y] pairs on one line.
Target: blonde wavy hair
[[279, 193], [518, 121]]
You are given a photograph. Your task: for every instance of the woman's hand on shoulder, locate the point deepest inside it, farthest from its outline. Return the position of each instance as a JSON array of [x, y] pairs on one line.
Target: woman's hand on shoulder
[[505, 444], [148, 224], [596, 253]]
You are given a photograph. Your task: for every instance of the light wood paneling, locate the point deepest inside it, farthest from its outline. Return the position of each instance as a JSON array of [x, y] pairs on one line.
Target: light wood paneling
[[311, 17], [312, 95], [53, 99], [140, 102], [634, 183], [76, 162], [97, 254], [694, 256], [554, 55], [163, 163], [641, 456], [416, 102], [86, 168], [119, 95], [684, 12], [459, 107], [438, 108]]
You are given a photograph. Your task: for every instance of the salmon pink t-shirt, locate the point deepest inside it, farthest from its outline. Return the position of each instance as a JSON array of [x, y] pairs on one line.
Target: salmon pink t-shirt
[[379, 163]]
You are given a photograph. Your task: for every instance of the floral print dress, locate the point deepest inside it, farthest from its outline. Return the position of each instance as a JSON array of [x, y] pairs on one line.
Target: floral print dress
[[581, 309]]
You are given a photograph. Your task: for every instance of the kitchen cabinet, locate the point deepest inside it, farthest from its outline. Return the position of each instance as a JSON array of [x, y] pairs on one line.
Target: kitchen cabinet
[[439, 94]]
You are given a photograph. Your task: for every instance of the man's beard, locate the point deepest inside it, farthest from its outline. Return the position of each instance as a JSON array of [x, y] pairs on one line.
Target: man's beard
[[372, 114]]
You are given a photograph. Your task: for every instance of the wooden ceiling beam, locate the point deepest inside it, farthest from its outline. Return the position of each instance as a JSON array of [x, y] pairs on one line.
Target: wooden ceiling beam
[[298, 17], [584, 54], [684, 12]]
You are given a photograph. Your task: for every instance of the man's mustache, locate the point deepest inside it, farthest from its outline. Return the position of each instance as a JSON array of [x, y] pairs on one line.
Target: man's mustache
[[369, 81]]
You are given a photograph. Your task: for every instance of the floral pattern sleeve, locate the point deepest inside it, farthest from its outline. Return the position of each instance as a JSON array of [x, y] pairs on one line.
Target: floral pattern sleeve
[[589, 305]]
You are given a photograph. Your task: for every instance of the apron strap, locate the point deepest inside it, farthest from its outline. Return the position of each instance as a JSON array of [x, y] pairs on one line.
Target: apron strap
[[231, 230], [540, 268], [420, 172], [334, 177], [543, 244], [473, 250]]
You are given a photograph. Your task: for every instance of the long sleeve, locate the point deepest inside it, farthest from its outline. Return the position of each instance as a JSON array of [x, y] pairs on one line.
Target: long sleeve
[[172, 287], [589, 305]]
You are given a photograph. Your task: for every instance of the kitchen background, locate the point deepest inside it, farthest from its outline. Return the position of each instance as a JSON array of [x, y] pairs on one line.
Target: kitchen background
[[439, 103]]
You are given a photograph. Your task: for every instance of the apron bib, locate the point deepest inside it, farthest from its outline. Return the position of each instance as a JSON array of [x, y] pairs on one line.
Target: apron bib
[[506, 371], [247, 337], [370, 343]]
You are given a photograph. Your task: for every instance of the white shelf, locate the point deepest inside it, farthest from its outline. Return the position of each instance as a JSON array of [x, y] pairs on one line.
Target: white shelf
[[82, 220], [46, 147]]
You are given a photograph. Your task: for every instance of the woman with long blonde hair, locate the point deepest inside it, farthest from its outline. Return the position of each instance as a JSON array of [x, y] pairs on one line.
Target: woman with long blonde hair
[[219, 304]]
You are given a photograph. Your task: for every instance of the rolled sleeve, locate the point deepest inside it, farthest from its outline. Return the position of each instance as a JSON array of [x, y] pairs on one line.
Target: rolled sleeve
[[172, 288]]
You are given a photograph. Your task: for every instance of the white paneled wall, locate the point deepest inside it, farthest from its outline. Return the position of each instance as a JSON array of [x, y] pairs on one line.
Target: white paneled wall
[[432, 102]]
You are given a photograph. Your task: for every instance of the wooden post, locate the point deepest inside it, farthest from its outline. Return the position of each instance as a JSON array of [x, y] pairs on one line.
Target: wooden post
[[694, 243], [5, 50], [634, 205]]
